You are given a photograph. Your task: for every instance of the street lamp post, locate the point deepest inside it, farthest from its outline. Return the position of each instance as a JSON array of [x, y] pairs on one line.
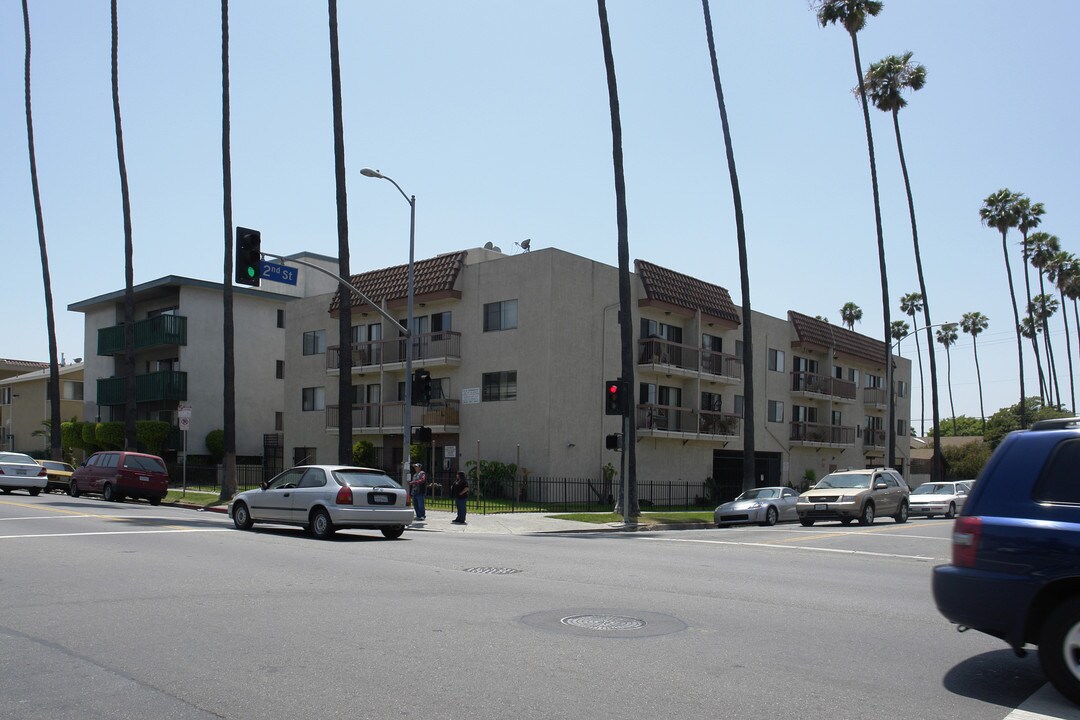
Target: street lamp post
[[406, 416]]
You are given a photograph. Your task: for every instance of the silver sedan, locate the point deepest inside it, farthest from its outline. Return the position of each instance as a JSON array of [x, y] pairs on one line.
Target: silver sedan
[[324, 498], [21, 472], [941, 498], [764, 506]]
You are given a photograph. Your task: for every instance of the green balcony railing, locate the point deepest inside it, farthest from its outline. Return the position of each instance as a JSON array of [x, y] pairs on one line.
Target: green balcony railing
[[151, 332], [152, 387]]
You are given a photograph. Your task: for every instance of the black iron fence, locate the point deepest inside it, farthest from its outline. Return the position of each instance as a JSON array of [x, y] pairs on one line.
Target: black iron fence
[[207, 478]]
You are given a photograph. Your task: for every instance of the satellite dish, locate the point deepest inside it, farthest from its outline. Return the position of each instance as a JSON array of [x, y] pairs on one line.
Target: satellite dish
[[525, 245], [496, 248], [489, 245]]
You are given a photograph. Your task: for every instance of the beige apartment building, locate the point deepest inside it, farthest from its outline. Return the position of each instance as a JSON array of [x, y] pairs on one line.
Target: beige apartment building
[[25, 403], [519, 348]]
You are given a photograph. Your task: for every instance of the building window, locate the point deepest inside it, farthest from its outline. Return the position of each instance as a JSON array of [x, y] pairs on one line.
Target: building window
[[853, 375], [5, 396], [776, 360], [801, 413], [315, 342], [711, 401], [901, 388], [739, 349], [500, 315], [872, 381], [713, 343], [776, 411], [901, 428], [440, 322], [281, 317], [836, 418], [314, 398], [738, 406], [280, 370], [279, 421], [500, 386]]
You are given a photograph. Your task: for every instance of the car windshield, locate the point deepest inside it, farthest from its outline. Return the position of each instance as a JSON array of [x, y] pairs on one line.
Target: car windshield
[[17, 458], [56, 465], [365, 478], [844, 480], [758, 493], [144, 463], [935, 489]]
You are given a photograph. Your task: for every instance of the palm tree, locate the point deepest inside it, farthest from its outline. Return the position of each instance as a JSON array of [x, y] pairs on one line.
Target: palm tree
[[1043, 248], [999, 212], [852, 14], [851, 313], [130, 408], [748, 479], [228, 479], [55, 442], [886, 80], [900, 330], [1042, 308], [1029, 217], [910, 304], [946, 335], [974, 323], [630, 506], [345, 420], [1060, 270]]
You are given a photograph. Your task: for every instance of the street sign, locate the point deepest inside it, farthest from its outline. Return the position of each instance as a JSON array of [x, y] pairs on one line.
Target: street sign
[[277, 273], [183, 417]]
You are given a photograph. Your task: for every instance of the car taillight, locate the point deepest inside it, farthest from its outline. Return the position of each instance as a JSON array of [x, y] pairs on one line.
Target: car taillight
[[344, 496], [965, 541], [43, 471]]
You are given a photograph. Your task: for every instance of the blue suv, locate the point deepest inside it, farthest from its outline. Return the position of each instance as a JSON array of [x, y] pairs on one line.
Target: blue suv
[[1015, 571]]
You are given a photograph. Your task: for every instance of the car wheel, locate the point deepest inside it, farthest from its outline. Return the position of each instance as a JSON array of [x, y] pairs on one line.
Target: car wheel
[[928, 516], [154, 501], [806, 522], [321, 527], [770, 517], [34, 492], [241, 517], [867, 517], [73, 489], [901, 514], [107, 493], [846, 521], [393, 533], [7, 491], [1059, 648], [952, 511]]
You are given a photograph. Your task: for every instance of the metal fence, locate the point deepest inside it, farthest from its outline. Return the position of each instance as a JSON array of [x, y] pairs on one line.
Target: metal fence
[[207, 478]]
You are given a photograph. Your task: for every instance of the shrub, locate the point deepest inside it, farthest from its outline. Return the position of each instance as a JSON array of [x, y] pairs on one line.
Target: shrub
[[494, 477], [965, 462], [109, 435], [152, 434], [363, 454], [215, 444]]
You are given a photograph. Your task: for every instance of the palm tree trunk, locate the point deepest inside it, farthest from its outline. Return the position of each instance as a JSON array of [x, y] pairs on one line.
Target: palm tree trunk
[[345, 420], [1068, 349], [890, 431], [630, 506], [130, 408], [55, 442], [749, 461], [978, 376], [1051, 364], [1043, 386], [922, 383], [937, 469], [1016, 324], [952, 409], [228, 478]]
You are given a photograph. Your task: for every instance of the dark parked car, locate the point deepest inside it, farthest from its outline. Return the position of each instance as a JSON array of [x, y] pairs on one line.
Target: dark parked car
[[1015, 571], [116, 475]]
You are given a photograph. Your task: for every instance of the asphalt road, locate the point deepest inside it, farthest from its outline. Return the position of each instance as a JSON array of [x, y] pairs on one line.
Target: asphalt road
[[129, 611]]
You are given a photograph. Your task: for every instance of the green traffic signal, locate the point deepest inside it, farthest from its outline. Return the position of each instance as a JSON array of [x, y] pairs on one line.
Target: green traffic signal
[[251, 271]]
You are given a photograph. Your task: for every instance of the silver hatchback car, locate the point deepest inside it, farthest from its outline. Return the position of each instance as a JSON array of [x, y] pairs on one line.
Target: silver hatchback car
[[324, 498]]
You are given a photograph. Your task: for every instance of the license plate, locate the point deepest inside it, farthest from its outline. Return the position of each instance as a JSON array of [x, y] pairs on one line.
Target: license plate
[[380, 499], [821, 507], [144, 478], [20, 471]]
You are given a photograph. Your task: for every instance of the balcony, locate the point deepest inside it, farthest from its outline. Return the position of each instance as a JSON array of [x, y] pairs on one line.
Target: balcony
[[670, 358], [812, 385], [686, 423], [875, 397], [152, 332], [166, 385], [387, 418], [820, 435], [873, 438], [429, 350]]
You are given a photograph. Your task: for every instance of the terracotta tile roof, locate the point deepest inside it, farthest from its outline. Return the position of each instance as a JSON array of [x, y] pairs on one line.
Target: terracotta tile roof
[[667, 286], [826, 335], [20, 364], [432, 276]]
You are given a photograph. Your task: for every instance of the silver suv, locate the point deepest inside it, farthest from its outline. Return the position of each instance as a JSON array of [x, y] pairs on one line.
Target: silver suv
[[862, 495]]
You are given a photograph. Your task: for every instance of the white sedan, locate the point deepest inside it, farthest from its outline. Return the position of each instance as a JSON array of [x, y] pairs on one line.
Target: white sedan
[[941, 498], [324, 498], [21, 472]]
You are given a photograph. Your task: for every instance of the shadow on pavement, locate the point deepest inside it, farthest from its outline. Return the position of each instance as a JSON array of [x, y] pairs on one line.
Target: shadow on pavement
[[998, 677]]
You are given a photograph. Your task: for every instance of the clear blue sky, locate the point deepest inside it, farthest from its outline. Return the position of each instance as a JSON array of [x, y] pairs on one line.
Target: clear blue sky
[[495, 115]]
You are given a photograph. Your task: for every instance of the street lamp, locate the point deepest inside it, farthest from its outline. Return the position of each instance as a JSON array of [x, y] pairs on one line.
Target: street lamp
[[406, 419]]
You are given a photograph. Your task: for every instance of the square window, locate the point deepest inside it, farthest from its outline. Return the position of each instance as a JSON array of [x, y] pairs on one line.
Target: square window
[[313, 399], [776, 360], [776, 411], [315, 342], [500, 315], [499, 386]]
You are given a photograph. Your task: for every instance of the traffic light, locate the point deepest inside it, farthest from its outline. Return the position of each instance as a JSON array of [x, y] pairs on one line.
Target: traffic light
[[421, 388], [613, 441], [248, 256], [615, 397]]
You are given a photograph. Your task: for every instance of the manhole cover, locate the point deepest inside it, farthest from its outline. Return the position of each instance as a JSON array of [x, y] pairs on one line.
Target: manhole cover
[[492, 570], [604, 622]]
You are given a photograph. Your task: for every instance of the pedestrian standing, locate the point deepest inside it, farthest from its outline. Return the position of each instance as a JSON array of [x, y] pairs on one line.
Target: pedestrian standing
[[460, 491], [417, 488]]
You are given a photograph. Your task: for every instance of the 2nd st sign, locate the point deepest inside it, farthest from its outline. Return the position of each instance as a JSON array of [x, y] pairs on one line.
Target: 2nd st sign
[[277, 273]]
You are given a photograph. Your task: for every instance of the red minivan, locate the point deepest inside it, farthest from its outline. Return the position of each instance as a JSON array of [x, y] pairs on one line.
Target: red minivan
[[116, 475]]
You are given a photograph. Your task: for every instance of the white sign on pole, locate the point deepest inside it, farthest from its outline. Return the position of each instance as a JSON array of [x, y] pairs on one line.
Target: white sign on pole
[[470, 396], [450, 452], [184, 421]]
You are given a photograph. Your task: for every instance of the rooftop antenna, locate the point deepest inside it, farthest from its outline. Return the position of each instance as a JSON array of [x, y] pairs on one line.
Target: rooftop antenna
[[524, 245]]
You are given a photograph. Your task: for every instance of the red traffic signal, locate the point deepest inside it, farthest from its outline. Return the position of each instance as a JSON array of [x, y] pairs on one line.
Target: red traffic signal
[[615, 397]]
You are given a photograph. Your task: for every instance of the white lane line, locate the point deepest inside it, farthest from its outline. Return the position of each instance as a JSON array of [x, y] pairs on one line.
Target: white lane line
[[116, 532], [796, 547], [53, 517], [1045, 704]]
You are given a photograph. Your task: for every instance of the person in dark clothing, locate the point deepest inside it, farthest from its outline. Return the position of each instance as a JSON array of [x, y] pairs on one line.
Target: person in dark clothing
[[459, 490]]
